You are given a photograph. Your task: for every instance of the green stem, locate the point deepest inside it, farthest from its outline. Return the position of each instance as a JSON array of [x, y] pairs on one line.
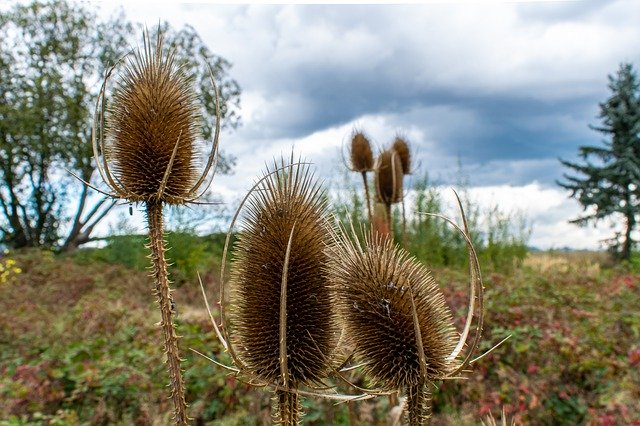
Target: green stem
[[163, 292]]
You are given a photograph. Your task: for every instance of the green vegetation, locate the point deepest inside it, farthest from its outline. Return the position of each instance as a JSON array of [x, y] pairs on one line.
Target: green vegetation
[[500, 238], [77, 344], [53, 58]]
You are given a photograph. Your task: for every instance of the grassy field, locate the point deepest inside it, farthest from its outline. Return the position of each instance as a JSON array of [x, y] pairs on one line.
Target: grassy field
[[78, 346]]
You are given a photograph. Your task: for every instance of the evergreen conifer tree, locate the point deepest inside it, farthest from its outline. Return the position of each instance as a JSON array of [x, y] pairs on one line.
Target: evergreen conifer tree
[[609, 179]]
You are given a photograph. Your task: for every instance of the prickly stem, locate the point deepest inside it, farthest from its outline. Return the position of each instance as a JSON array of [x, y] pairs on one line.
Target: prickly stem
[[163, 292], [387, 206], [366, 195], [287, 408], [418, 404], [404, 226]]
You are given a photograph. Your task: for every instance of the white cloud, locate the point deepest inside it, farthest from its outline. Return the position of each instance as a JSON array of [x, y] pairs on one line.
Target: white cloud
[[287, 58]]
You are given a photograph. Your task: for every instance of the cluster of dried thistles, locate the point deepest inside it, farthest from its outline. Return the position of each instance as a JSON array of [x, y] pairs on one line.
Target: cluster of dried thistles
[[305, 292]]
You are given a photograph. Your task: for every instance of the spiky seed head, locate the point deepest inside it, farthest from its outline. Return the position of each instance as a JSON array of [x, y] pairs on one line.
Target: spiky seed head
[[388, 178], [361, 154], [373, 283], [153, 108], [287, 198], [401, 147]]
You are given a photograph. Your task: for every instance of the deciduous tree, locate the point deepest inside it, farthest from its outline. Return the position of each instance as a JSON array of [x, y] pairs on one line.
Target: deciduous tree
[[53, 56]]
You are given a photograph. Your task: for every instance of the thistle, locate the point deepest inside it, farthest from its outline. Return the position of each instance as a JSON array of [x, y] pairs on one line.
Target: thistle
[[388, 180], [401, 147], [362, 162], [396, 318], [283, 322], [149, 155]]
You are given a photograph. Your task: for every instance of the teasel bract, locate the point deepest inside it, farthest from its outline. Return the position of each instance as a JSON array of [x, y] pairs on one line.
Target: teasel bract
[[401, 147], [396, 318], [147, 153], [362, 162], [282, 320], [388, 181]]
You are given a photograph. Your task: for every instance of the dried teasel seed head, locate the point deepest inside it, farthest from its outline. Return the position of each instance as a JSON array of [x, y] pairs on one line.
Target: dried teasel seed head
[[374, 283], [401, 147], [388, 178], [153, 109], [288, 210], [361, 154]]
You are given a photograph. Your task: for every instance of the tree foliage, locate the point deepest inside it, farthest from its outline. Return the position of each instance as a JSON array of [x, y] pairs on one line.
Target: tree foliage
[[609, 178], [53, 57]]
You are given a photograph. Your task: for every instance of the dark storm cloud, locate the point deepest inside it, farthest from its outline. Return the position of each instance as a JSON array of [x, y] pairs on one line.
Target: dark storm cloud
[[352, 62], [491, 93], [495, 86]]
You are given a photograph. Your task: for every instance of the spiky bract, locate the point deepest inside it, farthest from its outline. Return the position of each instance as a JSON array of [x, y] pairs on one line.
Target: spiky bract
[[153, 108], [374, 282], [401, 147], [388, 178], [288, 199], [361, 154]]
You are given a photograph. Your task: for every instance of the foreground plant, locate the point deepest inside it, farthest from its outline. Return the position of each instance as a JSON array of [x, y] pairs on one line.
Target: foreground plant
[[284, 332], [149, 156], [395, 317]]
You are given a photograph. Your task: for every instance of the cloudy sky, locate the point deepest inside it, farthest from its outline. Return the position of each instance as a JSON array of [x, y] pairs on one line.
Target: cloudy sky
[[494, 91]]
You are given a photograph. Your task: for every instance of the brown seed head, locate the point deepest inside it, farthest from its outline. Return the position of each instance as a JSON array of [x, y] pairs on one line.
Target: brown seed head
[[401, 147], [373, 284], [153, 108], [287, 200], [361, 155], [388, 178]]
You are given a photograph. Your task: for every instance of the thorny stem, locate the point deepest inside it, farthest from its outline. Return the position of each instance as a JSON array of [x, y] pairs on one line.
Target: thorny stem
[[404, 226], [418, 404], [163, 292], [387, 211], [287, 406], [366, 194]]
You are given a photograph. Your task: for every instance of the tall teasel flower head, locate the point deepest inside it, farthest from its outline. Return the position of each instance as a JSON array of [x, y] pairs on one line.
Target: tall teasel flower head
[[377, 287], [396, 318], [388, 178], [361, 154], [362, 162], [149, 153], [401, 147], [282, 318]]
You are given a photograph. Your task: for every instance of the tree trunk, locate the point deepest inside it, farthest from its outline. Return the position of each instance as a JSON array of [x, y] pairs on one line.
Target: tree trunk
[[628, 242]]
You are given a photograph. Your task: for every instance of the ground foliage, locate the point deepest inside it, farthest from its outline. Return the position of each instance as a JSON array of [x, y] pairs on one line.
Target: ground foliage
[[78, 346]]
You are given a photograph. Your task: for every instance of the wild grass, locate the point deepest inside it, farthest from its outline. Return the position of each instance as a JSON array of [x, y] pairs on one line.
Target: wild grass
[[500, 237]]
